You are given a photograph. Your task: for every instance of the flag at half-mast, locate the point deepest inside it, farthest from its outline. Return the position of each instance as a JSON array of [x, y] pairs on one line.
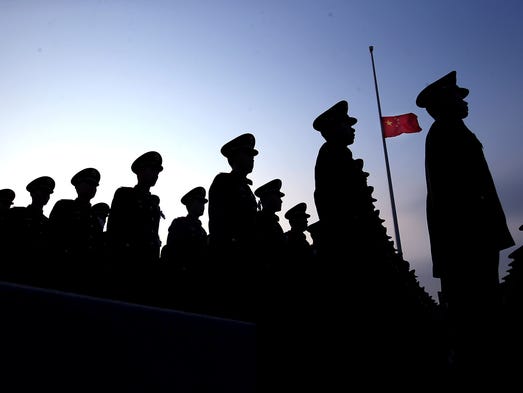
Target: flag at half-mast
[[400, 124]]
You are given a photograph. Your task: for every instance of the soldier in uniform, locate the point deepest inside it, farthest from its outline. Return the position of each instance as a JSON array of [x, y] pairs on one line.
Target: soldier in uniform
[[343, 199], [270, 238], [298, 247], [360, 269], [132, 230], [77, 235], [273, 280], [272, 265], [186, 252], [232, 215], [28, 238], [466, 222], [232, 204]]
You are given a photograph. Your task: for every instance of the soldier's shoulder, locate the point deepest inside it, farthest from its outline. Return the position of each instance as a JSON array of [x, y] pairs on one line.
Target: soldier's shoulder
[[123, 192], [177, 223], [155, 199], [18, 214], [17, 211], [63, 204], [223, 180], [61, 207], [221, 177]]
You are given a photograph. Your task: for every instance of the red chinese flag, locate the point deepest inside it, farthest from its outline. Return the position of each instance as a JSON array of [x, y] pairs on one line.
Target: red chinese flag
[[396, 125]]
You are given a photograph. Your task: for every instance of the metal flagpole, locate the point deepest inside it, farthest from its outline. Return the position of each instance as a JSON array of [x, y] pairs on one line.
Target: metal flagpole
[[394, 217]]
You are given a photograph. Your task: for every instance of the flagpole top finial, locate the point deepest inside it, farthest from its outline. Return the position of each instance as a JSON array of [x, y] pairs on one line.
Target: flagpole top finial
[[371, 48]]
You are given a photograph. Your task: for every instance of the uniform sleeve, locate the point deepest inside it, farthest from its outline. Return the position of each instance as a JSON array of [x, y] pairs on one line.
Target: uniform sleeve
[[116, 222]]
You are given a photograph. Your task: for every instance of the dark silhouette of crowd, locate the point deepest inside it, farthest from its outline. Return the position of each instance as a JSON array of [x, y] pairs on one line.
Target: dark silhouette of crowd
[[342, 307]]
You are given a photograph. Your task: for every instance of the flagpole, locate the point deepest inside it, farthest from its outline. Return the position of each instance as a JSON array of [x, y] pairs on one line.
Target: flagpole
[[391, 192]]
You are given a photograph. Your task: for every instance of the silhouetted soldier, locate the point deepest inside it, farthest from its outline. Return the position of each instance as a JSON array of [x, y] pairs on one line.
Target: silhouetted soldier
[[270, 276], [283, 282], [300, 260], [353, 240], [232, 215], [185, 255], [466, 222], [343, 199], [299, 249], [132, 229], [270, 238], [28, 239], [232, 204], [77, 235], [272, 266], [335, 195], [361, 270]]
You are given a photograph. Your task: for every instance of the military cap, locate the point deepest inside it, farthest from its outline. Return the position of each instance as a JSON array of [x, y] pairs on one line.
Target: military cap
[[433, 91], [244, 142], [7, 194], [335, 115], [87, 175], [195, 193], [41, 183], [101, 209], [297, 211], [149, 159], [273, 186]]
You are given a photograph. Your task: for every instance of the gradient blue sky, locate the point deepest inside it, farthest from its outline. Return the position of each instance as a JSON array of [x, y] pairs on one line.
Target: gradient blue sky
[[98, 83]]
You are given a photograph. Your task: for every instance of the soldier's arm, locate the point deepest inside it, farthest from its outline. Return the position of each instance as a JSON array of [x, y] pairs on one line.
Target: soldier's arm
[[120, 213]]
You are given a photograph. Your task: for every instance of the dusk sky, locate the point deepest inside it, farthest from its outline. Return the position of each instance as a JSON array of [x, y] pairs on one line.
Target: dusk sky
[[98, 83]]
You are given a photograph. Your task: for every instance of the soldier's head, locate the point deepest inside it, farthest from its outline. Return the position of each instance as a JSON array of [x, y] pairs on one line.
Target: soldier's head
[[86, 183], [147, 167], [298, 217], [335, 124], [270, 195], [40, 190], [195, 201], [7, 196], [240, 153], [444, 99]]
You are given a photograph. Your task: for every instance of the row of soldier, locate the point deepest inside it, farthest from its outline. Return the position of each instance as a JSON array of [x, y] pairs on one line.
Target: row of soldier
[[72, 251]]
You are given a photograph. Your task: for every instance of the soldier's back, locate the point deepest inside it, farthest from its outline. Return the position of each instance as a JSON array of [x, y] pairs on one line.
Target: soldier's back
[[28, 245], [134, 243], [232, 210], [134, 220]]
